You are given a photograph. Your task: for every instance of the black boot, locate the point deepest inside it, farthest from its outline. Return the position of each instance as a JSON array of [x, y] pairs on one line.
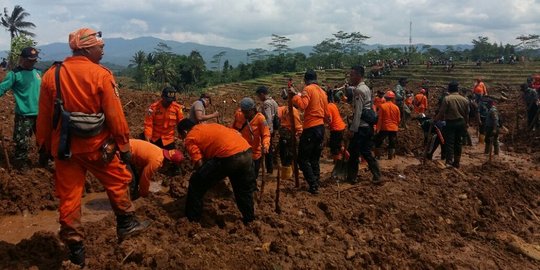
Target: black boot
[[77, 253], [374, 168], [127, 225]]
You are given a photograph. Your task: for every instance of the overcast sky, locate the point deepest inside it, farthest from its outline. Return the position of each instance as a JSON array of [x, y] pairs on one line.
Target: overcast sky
[[246, 24]]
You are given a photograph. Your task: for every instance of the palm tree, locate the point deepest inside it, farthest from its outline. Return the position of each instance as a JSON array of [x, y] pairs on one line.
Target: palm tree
[[16, 24]]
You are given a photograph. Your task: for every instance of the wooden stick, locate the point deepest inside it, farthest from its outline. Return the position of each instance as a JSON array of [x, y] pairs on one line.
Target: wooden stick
[[129, 102], [532, 213], [263, 176], [278, 184], [127, 256], [6, 156]]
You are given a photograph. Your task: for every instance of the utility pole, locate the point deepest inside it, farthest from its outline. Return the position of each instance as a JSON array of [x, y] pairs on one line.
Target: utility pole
[[410, 37]]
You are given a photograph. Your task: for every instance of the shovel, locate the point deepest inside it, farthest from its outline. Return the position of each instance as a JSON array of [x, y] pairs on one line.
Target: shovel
[[340, 167]]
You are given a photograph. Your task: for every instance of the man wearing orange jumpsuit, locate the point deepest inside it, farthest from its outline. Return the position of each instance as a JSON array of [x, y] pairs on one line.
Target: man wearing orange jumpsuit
[[378, 100], [479, 89], [90, 88], [420, 102], [218, 152], [147, 159], [161, 119], [337, 127], [286, 134], [313, 101], [388, 124], [254, 128]]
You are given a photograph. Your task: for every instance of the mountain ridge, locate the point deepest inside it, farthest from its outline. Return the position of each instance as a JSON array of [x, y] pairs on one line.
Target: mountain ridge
[[119, 51]]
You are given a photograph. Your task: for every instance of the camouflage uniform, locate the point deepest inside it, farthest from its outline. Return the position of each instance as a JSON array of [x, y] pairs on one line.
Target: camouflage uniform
[[25, 126]]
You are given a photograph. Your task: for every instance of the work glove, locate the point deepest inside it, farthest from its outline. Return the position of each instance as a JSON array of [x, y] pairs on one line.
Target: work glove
[[125, 157]]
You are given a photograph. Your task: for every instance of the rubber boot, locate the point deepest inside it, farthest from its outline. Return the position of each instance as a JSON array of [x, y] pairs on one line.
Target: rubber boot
[[286, 172], [391, 153], [481, 138], [496, 149], [487, 148], [77, 253], [127, 225], [376, 179]]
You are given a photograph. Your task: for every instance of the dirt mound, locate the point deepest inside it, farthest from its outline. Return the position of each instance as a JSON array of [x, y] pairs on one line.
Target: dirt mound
[[29, 191], [423, 217], [431, 219], [42, 250]]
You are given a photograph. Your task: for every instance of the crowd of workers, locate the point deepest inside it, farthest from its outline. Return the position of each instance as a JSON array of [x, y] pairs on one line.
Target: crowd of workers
[[75, 112]]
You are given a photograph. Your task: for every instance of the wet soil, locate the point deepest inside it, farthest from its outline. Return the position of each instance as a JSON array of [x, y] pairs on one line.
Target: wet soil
[[422, 217]]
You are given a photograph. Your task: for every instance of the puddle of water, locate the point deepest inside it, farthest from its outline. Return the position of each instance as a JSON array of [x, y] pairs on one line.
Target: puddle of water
[[95, 207]]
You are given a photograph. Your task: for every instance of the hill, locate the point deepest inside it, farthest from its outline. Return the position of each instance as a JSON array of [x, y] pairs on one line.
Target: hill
[[119, 51]]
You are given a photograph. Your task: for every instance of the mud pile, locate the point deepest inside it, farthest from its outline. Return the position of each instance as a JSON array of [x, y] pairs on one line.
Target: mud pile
[[423, 217]]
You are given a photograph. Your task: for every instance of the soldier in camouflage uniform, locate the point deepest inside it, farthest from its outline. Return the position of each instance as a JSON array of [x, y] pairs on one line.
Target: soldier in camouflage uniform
[[25, 81]]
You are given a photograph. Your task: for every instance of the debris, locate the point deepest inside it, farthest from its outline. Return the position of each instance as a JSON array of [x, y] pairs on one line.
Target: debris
[[519, 245], [350, 254]]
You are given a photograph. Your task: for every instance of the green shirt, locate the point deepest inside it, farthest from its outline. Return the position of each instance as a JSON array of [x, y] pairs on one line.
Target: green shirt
[[25, 85]]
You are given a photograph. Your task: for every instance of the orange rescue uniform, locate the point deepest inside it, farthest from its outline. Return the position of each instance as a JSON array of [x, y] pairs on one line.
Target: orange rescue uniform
[[89, 88], [160, 122], [253, 132], [377, 101], [148, 159], [285, 119], [421, 103], [336, 122], [389, 117], [214, 141], [480, 89], [314, 102]]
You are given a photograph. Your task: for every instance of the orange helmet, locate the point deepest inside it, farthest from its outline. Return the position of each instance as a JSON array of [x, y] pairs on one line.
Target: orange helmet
[[390, 94]]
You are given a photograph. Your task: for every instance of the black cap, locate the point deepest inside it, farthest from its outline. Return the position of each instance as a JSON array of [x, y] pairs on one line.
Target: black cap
[[262, 90], [29, 53], [403, 80], [185, 125], [310, 75], [453, 86]]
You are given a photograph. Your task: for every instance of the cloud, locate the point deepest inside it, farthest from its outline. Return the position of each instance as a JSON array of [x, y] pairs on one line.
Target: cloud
[[249, 24]]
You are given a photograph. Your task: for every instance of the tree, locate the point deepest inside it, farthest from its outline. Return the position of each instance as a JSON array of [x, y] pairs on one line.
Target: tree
[[195, 67], [139, 59], [482, 49], [17, 44], [280, 44], [528, 42], [16, 24], [257, 54], [216, 60]]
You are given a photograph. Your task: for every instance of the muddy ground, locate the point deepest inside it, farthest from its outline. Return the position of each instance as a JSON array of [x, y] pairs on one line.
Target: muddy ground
[[423, 217]]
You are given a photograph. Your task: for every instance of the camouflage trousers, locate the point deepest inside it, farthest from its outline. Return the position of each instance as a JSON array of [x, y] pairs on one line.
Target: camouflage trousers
[[25, 126]]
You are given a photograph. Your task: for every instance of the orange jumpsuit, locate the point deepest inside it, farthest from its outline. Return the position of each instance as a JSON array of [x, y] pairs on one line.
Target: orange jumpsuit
[[314, 103], [89, 88], [480, 88], [389, 117], [213, 141], [147, 159], [420, 101], [336, 122], [285, 119], [160, 122], [377, 101], [253, 132]]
